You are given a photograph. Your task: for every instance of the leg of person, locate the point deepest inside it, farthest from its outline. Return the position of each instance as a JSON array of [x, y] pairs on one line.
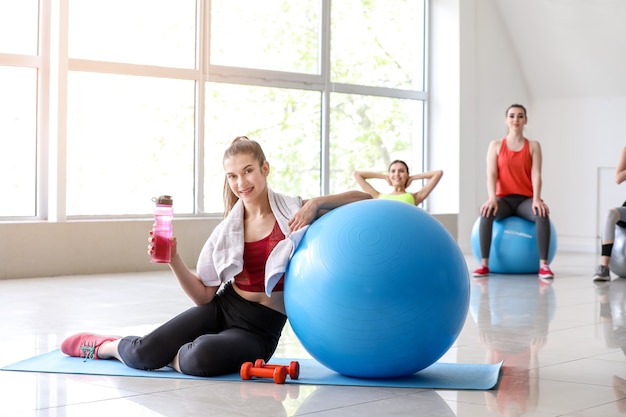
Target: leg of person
[[154, 350], [160, 347], [485, 231], [542, 227], [613, 216], [220, 354], [252, 333]]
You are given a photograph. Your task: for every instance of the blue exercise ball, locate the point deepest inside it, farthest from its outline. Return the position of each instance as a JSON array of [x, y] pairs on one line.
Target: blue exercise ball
[[377, 289], [514, 247], [617, 263]]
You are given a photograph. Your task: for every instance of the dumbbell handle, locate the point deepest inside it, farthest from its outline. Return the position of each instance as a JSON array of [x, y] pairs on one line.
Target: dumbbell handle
[[279, 373], [293, 369]]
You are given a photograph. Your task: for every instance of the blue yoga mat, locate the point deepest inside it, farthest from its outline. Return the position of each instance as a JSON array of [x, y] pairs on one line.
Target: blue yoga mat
[[458, 376]]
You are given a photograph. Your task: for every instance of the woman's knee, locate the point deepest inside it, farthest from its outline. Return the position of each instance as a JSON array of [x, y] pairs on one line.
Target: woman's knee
[[208, 356], [612, 216], [194, 362], [139, 355]]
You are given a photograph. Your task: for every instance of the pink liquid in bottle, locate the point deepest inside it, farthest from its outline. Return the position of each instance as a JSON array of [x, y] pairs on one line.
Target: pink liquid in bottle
[[162, 229]]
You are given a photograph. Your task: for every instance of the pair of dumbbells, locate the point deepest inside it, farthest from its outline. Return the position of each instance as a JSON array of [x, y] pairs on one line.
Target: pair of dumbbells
[[279, 373]]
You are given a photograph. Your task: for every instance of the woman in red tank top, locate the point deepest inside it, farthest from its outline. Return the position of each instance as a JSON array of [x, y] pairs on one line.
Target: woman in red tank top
[[514, 189]]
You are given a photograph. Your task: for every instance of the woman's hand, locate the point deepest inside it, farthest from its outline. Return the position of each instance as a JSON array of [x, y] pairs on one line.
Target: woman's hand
[[489, 208], [151, 240], [303, 217], [540, 208]]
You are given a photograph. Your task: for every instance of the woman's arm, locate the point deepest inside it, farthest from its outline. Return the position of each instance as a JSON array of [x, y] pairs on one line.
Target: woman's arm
[[194, 288], [620, 171], [491, 204], [536, 169], [433, 178], [361, 178], [539, 207], [315, 207]]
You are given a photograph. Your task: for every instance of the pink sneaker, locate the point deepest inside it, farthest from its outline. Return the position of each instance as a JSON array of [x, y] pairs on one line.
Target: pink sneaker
[[481, 271], [84, 345], [545, 272]]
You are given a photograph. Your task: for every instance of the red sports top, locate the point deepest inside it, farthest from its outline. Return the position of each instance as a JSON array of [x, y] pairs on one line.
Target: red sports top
[[255, 254], [514, 171]]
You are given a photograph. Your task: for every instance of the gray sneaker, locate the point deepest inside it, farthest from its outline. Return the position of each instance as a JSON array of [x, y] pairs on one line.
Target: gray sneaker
[[602, 274]]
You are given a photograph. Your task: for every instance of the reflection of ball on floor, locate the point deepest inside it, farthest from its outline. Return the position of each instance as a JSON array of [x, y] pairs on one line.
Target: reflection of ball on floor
[[514, 247], [377, 289]]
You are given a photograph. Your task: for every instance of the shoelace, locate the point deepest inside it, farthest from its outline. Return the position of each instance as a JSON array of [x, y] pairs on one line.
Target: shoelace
[[87, 351]]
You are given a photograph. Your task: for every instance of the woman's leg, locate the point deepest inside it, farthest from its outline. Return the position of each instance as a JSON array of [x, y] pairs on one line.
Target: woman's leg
[[253, 332], [160, 347], [221, 353], [208, 340], [542, 225], [485, 228], [613, 216]]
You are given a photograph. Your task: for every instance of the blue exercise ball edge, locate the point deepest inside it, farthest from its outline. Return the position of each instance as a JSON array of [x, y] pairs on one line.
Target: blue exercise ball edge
[[515, 253], [617, 263], [376, 329]]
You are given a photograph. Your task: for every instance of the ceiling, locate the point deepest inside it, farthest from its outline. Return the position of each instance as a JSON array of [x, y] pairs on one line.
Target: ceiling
[[569, 48]]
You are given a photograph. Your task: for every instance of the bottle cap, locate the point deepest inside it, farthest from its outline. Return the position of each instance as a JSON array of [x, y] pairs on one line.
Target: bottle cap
[[165, 200]]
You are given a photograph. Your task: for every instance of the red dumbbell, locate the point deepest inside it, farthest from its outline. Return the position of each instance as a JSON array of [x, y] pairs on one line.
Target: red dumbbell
[[293, 369], [279, 373]]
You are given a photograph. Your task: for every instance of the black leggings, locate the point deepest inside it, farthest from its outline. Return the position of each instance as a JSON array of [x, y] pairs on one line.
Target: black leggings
[[211, 339], [515, 205]]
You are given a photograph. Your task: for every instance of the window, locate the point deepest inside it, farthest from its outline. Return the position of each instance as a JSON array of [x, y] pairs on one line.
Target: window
[[18, 107], [145, 95], [18, 141]]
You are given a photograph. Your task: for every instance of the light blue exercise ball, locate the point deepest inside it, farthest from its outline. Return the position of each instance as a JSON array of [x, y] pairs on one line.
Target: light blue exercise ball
[[377, 289], [514, 247]]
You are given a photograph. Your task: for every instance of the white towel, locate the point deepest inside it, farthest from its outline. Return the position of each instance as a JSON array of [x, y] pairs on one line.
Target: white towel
[[221, 257]]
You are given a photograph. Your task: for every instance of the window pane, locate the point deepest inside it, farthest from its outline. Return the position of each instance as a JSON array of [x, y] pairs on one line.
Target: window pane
[[378, 43], [18, 141], [149, 32], [368, 133], [285, 122], [278, 35], [18, 26], [129, 139]]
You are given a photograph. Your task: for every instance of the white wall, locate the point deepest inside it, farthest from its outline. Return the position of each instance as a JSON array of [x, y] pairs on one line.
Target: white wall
[[489, 80], [580, 136], [43, 249]]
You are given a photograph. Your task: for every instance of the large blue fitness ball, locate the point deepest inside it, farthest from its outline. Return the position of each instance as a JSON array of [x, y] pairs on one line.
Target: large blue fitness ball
[[377, 289], [514, 247]]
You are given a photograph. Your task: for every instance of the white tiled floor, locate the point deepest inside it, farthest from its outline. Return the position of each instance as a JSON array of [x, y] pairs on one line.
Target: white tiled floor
[[563, 352]]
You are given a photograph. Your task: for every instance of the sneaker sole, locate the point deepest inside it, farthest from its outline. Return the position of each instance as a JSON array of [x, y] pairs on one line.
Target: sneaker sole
[[601, 278]]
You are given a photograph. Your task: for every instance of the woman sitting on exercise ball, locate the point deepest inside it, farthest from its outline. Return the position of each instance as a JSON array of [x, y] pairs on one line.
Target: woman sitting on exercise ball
[[514, 188]]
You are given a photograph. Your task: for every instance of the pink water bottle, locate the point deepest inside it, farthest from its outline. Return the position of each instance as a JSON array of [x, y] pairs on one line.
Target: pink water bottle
[[162, 229]]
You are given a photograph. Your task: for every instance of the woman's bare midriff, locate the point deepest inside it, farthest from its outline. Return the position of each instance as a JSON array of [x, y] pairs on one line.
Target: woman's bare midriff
[[275, 302]]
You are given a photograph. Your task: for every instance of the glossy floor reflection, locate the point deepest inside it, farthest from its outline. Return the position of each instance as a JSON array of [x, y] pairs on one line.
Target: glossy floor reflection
[[563, 347]]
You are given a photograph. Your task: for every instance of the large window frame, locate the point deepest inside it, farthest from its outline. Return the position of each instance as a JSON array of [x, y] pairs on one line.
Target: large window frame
[[54, 64]]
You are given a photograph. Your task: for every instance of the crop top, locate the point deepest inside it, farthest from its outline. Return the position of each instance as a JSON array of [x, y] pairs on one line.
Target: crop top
[[252, 277], [514, 171], [406, 197]]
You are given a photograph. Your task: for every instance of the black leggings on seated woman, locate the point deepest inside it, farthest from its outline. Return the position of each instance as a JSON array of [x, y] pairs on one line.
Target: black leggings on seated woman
[[211, 339], [515, 205]]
